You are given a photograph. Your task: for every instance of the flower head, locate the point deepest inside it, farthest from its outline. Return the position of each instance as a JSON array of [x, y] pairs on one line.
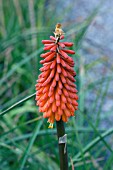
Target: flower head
[[55, 89]]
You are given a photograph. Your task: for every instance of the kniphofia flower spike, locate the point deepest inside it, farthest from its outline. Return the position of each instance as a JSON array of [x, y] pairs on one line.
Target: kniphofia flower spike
[[55, 89]]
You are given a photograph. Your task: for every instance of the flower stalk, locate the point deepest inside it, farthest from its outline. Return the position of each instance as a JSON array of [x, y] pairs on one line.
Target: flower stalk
[[62, 146]]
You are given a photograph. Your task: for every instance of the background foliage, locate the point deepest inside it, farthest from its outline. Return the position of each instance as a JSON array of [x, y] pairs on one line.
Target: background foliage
[[25, 140]]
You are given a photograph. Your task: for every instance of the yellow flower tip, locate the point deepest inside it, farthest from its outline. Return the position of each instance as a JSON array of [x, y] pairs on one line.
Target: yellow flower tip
[[51, 126], [58, 25], [58, 30]]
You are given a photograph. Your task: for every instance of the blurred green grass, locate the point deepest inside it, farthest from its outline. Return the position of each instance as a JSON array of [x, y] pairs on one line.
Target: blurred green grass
[[25, 140]]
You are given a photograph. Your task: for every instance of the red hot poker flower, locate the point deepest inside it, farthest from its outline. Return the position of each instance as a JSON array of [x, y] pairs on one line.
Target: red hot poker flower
[[56, 92]]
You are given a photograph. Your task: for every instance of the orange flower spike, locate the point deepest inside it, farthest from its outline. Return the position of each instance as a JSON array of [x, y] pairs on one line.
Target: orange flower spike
[[55, 89]]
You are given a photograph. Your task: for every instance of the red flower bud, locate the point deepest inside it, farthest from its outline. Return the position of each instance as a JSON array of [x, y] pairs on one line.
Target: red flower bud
[[68, 44], [47, 41], [69, 51]]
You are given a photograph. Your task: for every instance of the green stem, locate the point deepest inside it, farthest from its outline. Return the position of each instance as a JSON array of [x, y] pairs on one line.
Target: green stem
[[62, 147]]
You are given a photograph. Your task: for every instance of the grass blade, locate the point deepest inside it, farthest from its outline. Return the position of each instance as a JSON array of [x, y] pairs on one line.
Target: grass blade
[[26, 153]]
